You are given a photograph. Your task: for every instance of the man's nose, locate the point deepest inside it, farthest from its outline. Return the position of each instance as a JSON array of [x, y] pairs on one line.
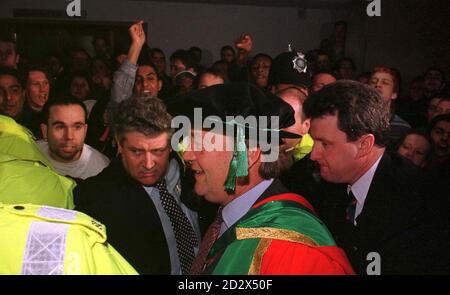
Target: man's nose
[[69, 133], [315, 153], [148, 161], [188, 155]]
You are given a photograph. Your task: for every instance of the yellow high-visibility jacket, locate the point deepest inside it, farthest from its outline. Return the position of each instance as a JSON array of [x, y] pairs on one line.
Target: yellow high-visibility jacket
[[26, 176], [43, 240]]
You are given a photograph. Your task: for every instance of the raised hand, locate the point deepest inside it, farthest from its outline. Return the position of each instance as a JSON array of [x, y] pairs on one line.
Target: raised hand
[[244, 44], [137, 34]]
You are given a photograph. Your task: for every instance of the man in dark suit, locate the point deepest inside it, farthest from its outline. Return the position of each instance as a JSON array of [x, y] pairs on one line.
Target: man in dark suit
[[373, 203], [138, 197]]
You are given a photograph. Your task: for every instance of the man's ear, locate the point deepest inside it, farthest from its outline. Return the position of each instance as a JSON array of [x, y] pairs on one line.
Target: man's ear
[[394, 95], [366, 143], [306, 124], [44, 130], [253, 156], [160, 83], [17, 58]]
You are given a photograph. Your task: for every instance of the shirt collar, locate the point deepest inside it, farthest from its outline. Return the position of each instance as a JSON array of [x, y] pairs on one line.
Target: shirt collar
[[361, 187], [237, 208]]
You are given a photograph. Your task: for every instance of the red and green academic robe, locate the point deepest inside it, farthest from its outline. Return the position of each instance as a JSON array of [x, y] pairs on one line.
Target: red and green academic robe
[[279, 235]]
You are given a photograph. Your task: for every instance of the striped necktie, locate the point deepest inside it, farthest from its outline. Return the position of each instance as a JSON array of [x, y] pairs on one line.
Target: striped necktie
[[351, 208], [208, 241]]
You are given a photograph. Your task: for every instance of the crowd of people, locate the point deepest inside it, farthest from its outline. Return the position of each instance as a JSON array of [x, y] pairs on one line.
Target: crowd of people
[[86, 144]]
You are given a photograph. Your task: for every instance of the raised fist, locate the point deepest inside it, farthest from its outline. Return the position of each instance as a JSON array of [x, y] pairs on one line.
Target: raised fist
[[137, 33]]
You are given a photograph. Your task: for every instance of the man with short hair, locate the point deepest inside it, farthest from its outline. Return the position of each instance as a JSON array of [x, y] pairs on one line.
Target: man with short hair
[[64, 129], [261, 228], [259, 69], [136, 73], [14, 97], [382, 213], [295, 98], [386, 82], [301, 177], [37, 93], [137, 196], [158, 58]]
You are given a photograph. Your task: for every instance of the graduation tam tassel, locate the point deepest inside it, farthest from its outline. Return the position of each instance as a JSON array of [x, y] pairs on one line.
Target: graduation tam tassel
[[239, 162]]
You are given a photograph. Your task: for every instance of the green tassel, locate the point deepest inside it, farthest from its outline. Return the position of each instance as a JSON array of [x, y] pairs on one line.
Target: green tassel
[[239, 162], [230, 182], [241, 148]]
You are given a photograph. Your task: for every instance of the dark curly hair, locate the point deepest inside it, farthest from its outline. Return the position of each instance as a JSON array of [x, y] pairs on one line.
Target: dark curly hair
[[141, 113]]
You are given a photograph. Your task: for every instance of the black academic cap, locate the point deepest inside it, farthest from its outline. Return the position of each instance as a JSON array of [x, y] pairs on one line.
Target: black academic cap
[[290, 68], [235, 99]]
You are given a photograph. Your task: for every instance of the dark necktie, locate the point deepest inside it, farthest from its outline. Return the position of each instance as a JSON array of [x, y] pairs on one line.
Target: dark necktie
[[351, 208], [208, 241], [182, 228]]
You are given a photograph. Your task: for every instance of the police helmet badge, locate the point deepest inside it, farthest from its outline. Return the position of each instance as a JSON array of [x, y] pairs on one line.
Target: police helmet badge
[[300, 63]]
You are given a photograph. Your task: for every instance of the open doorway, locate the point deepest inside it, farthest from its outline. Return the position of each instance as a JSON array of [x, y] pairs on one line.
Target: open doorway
[[37, 38]]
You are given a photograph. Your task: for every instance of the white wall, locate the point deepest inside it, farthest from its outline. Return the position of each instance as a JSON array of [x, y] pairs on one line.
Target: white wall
[[177, 25]]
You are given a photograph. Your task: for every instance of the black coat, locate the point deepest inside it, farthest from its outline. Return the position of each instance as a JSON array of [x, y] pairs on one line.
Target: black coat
[[132, 221], [395, 222]]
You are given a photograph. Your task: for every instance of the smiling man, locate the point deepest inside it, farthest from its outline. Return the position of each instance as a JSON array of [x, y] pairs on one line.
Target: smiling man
[[13, 99], [260, 228], [137, 74]]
